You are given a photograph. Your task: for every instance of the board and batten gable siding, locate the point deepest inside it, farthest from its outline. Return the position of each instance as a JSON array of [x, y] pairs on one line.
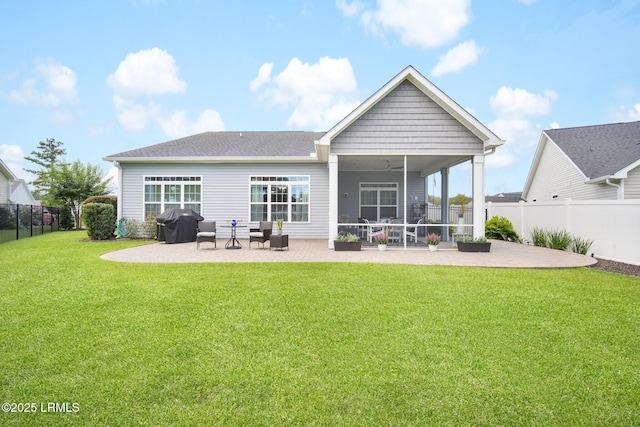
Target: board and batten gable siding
[[4, 189], [226, 191], [632, 184], [556, 174], [406, 121]]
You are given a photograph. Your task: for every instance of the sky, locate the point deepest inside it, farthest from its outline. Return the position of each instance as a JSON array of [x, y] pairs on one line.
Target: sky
[[106, 77]]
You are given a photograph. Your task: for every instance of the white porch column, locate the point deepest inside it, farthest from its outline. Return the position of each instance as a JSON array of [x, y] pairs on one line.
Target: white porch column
[[478, 196], [333, 198], [444, 202]]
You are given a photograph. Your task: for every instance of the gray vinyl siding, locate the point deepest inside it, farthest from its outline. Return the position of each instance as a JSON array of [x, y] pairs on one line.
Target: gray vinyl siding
[[349, 182], [406, 121], [557, 175], [632, 184], [225, 192], [4, 189]]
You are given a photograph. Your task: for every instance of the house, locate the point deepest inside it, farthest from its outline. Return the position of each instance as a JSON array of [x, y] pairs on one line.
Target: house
[[21, 194], [373, 164], [6, 180], [586, 163], [513, 197]]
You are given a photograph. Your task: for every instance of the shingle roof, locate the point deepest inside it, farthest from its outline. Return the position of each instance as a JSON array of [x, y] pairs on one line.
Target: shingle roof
[[229, 144], [600, 150], [513, 197]]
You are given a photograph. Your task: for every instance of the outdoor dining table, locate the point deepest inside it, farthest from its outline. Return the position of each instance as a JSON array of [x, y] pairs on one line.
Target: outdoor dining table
[[233, 242]]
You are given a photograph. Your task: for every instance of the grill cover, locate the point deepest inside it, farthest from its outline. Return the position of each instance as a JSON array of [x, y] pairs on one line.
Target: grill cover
[[178, 225]]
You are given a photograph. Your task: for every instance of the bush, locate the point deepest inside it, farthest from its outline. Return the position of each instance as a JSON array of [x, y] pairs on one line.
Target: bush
[[581, 246], [539, 237], [66, 218], [559, 239], [109, 200], [100, 220], [500, 228]]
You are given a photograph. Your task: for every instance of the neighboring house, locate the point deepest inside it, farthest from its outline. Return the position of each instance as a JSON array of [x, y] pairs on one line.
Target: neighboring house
[[21, 194], [372, 164], [586, 163], [6, 180], [514, 197]]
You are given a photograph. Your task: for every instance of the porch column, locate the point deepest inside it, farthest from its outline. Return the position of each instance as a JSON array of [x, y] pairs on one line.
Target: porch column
[[478, 196], [444, 202], [333, 198]]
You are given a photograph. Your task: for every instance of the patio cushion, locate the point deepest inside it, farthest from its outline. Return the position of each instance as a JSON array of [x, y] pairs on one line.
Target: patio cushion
[[206, 234], [256, 234]]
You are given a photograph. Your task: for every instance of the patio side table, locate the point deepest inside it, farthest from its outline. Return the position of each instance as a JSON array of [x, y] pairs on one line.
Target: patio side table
[[279, 241]]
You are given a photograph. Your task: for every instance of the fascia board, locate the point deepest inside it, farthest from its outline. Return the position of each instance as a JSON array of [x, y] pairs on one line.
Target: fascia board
[[312, 158]]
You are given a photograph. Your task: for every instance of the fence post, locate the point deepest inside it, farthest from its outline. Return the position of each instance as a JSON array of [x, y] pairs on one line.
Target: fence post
[[567, 213], [17, 221], [522, 225]]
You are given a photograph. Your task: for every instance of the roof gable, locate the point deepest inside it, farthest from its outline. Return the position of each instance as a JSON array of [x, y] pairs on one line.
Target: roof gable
[[4, 169], [602, 150], [490, 140]]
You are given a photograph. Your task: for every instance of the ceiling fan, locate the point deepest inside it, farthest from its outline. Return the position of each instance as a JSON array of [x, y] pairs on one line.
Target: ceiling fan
[[392, 168]]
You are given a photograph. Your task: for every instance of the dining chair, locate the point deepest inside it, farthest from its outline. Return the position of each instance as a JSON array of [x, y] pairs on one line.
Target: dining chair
[[206, 232]]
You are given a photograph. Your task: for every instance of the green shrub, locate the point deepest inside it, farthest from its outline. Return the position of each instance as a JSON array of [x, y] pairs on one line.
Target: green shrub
[[539, 237], [100, 220], [559, 239], [66, 218], [580, 245], [109, 200], [500, 228]]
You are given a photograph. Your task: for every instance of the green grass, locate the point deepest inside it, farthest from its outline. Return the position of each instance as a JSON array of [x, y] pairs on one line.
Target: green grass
[[311, 344]]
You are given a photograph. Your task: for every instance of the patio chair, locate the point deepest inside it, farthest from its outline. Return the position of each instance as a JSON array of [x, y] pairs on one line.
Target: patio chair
[[395, 233], [363, 229], [261, 234], [412, 232], [206, 232]]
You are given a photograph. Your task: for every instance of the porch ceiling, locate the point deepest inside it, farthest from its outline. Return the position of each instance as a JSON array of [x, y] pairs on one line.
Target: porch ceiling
[[426, 165]]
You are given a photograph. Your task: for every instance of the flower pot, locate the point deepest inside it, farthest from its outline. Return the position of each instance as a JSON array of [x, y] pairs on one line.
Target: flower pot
[[382, 247], [433, 248], [474, 247], [347, 246]]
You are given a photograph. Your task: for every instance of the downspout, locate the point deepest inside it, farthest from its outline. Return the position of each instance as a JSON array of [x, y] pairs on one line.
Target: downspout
[[119, 192], [618, 187]]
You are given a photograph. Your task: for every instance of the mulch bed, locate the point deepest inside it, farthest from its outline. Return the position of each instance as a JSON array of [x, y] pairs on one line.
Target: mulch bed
[[617, 267]]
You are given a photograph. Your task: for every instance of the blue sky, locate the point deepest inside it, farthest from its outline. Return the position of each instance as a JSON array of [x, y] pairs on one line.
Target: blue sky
[[106, 77]]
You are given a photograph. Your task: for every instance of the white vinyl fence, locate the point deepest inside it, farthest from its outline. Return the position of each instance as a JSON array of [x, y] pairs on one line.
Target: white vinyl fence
[[613, 225]]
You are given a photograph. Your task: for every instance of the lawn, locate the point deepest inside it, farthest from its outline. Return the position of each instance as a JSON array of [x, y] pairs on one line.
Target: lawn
[[310, 344]]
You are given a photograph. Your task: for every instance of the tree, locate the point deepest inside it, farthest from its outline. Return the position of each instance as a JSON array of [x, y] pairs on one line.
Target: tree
[[48, 157], [74, 183]]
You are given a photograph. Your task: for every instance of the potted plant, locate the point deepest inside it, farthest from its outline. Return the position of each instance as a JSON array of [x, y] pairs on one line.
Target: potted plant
[[382, 240], [468, 244], [433, 240], [347, 242], [279, 224]]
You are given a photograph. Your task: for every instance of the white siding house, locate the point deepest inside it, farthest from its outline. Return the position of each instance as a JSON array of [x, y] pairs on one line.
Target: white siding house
[[586, 163], [6, 179], [372, 164]]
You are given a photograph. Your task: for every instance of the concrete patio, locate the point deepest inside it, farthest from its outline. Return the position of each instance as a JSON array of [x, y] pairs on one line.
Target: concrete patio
[[503, 254]]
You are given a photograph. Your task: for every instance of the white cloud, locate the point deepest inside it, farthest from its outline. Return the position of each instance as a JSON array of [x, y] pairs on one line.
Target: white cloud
[[457, 58], [633, 114], [510, 102], [178, 124], [53, 85], [13, 157], [140, 79], [147, 72], [320, 94], [263, 77], [349, 9], [134, 116], [422, 23]]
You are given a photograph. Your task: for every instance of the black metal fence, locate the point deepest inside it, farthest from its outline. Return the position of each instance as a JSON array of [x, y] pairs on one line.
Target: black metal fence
[[21, 221]]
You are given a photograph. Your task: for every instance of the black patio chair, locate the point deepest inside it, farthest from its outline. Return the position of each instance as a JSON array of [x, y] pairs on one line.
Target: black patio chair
[[261, 234], [206, 233]]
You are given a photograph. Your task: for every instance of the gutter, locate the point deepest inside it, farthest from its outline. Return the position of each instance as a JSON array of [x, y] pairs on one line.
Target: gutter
[[618, 186]]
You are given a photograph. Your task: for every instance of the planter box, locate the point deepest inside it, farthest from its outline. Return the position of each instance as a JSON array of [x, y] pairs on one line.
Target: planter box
[[347, 246], [474, 247]]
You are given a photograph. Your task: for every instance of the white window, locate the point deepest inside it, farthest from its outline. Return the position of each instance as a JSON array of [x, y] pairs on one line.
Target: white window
[[378, 200], [172, 192], [275, 197]]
